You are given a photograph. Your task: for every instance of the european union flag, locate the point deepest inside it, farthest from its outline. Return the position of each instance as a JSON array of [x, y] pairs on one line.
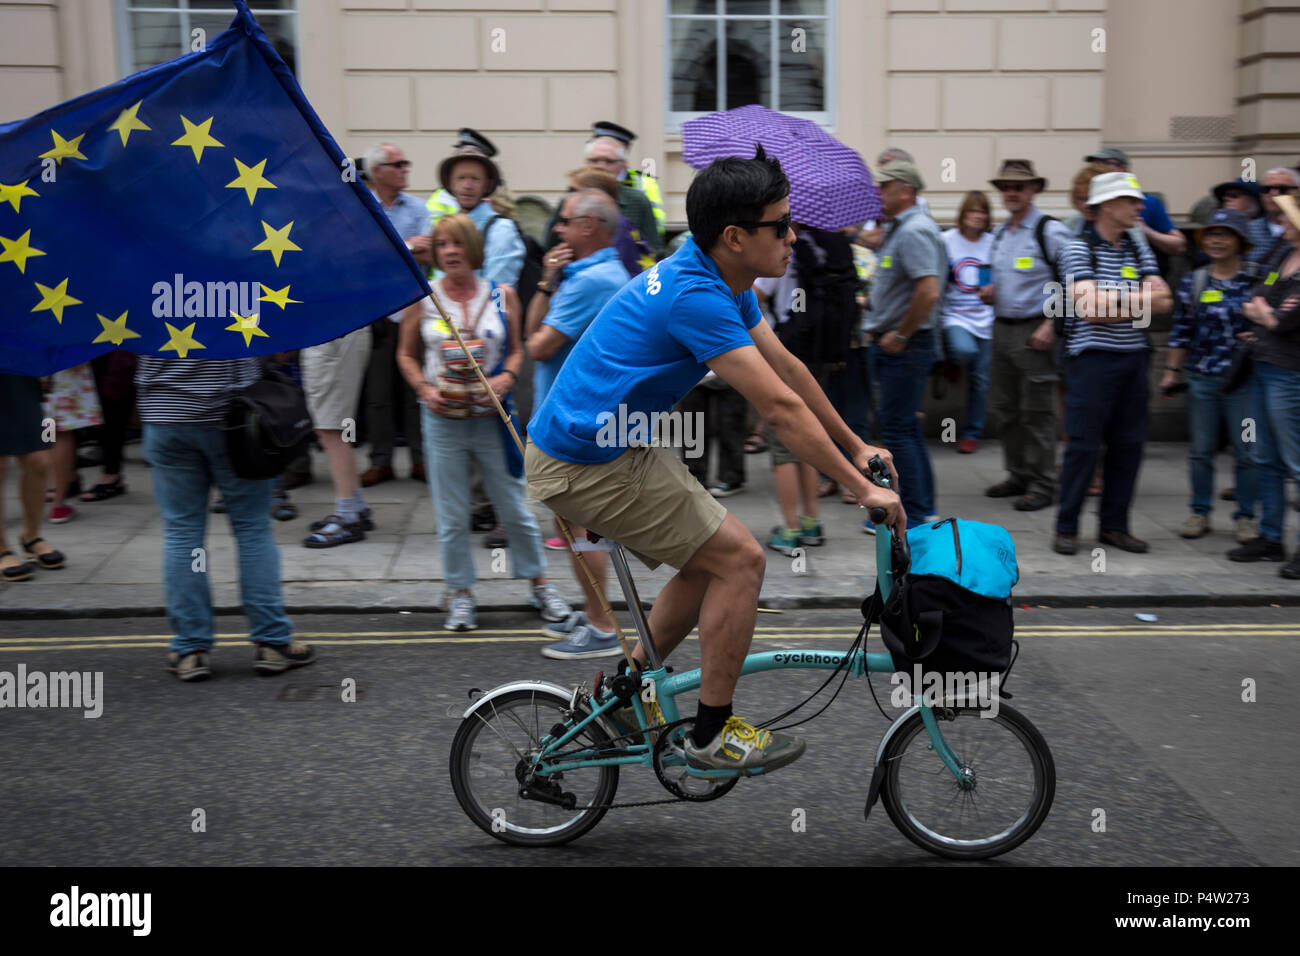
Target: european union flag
[[196, 209]]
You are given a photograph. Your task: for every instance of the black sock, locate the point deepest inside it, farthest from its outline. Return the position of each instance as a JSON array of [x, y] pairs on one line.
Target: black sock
[[708, 721]]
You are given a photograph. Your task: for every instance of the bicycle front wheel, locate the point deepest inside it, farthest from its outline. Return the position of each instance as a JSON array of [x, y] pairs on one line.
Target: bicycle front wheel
[[492, 754], [1008, 781]]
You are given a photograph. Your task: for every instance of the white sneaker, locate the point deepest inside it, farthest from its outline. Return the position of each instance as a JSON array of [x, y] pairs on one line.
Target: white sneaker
[[1247, 529], [461, 617], [547, 600], [1196, 526]]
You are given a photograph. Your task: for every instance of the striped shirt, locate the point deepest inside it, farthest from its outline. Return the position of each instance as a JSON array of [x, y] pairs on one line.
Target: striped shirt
[[1076, 265], [185, 390]]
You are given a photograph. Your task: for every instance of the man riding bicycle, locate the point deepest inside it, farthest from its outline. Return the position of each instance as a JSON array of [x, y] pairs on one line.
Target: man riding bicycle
[[646, 349]]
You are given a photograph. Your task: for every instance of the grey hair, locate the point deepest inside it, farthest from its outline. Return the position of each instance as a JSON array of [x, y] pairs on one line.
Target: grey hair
[[1288, 172], [377, 155], [894, 152], [622, 146], [598, 205]]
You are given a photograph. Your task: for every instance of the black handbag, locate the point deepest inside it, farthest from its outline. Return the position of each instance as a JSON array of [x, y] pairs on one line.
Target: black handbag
[[267, 426], [1239, 369]]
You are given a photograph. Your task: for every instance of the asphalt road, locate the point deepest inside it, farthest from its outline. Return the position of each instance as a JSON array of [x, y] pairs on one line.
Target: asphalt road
[[1146, 723]]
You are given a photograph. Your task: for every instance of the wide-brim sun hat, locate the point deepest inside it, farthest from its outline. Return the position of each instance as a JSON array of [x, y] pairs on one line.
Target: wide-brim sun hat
[[1232, 219], [1018, 171], [1109, 186], [471, 145]]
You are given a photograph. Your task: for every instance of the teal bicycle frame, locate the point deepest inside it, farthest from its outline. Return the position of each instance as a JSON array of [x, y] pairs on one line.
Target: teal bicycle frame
[[660, 685]]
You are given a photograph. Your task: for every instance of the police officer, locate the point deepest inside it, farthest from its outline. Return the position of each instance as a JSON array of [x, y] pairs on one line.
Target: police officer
[[607, 149]]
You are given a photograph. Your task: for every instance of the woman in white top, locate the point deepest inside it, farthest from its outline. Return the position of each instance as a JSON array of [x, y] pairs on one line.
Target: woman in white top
[[968, 322], [460, 419]]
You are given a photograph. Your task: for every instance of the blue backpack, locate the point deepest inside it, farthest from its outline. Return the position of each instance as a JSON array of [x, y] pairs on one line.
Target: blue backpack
[[952, 609]]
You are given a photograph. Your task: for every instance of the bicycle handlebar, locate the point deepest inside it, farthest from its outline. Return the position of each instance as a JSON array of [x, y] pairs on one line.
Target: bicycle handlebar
[[878, 474]]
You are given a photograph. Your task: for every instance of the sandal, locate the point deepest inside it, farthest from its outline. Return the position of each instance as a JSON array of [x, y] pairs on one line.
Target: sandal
[[16, 572], [51, 560], [755, 444], [104, 490], [333, 533]]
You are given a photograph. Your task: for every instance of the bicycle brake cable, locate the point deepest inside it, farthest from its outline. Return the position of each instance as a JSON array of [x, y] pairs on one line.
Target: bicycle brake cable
[[841, 667]]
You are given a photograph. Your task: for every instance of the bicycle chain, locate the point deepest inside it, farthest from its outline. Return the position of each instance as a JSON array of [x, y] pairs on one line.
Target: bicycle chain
[[640, 803]]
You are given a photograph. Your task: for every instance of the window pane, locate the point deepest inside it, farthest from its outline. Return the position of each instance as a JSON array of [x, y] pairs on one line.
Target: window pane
[[694, 66], [761, 8], [802, 8], [749, 63], [708, 7], [152, 3], [155, 38], [254, 5], [803, 66]]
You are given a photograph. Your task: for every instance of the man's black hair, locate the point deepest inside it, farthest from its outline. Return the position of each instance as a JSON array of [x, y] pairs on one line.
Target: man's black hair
[[730, 191]]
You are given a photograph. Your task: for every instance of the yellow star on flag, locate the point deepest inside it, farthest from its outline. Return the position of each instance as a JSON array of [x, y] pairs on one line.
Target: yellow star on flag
[[56, 299], [250, 179], [645, 261], [181, 341], [64, 148], [279, 296], [13, 195], [277, 242], [127, 122], [115, 330], [197, 137], [248, 325], [18, 251]]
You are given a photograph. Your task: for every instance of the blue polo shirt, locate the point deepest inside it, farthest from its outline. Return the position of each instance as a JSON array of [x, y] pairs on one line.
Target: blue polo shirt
[[645, 350], [585, 286]]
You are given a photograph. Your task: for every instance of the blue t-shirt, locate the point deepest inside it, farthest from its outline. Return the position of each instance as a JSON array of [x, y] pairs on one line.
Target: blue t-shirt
[[645, 350], [1154, 214], [585, 287]]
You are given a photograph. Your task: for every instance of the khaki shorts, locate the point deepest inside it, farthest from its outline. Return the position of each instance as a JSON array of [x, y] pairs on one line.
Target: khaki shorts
[[645, 499], [332, 375]]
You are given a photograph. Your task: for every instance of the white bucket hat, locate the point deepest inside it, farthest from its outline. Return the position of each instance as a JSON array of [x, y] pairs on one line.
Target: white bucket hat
[[1113, 186]]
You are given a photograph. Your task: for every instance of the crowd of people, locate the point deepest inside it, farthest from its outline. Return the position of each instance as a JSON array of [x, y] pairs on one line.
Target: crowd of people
[[1047, 321]]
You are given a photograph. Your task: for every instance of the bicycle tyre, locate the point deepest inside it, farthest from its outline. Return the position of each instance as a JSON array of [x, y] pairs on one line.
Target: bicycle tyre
[[484, 772], [918, 790]]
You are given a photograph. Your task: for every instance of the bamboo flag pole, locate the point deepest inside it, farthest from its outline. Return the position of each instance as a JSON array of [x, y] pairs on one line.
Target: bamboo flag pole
[[564, 525]]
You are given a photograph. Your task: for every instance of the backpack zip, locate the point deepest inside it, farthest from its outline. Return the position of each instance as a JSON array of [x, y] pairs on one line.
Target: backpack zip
[[956, 539]]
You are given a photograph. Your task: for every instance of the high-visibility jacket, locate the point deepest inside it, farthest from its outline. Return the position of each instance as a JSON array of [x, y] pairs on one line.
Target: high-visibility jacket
[[650, 187], [442, 203]]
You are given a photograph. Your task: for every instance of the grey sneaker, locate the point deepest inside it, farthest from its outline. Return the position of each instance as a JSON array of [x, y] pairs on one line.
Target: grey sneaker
[[567, 626], [741, 746], [188, 667], [461, 617], [584, 642], [1196, 526], [278, 658], [548, 601]]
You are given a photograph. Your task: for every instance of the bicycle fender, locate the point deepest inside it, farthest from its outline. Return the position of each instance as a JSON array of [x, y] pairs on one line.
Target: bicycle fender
[[878, 774], [537, 685]]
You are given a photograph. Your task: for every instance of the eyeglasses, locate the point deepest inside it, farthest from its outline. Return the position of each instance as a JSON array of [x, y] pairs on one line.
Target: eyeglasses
[[1012, 187], [1278, 189], [782, 225], [401, 164], [1233, 194], [565, 220]]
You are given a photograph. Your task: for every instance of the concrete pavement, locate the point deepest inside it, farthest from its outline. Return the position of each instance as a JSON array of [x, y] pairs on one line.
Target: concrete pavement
[[114, 550]]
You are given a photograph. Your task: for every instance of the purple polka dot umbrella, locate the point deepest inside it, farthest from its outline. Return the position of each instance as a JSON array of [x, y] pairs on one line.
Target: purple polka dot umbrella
[[830, 186]]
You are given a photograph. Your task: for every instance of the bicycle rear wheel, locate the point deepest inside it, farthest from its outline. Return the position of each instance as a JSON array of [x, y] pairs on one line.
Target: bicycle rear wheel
[[1010, 781], [491, 755]]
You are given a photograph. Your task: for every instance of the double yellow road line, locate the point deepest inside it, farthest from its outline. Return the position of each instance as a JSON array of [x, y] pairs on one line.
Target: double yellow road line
[[830, 635]]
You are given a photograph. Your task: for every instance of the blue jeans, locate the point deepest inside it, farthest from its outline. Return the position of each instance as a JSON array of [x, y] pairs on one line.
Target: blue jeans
[[187, 461], [902, 379], [448, 444], [1277, 441], [1207, 408], [975, 355]]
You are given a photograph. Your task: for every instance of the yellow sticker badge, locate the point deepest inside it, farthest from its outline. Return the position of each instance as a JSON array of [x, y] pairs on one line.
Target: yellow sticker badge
[[886, 261], [1133, 181], [1025, 262], [1272, 277], [1212, 295], [1128, 272]]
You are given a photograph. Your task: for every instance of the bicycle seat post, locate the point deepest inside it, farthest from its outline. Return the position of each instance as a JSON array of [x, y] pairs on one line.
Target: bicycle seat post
[[619, 558]]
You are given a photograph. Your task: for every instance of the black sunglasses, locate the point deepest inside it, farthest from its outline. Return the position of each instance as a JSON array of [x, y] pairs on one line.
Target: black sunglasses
[[1278, 189], [565, 220], [403, 164], [782, 225]]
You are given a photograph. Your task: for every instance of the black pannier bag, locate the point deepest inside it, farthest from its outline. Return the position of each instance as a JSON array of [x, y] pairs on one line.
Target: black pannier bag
[[952, 611], [267, 426]]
